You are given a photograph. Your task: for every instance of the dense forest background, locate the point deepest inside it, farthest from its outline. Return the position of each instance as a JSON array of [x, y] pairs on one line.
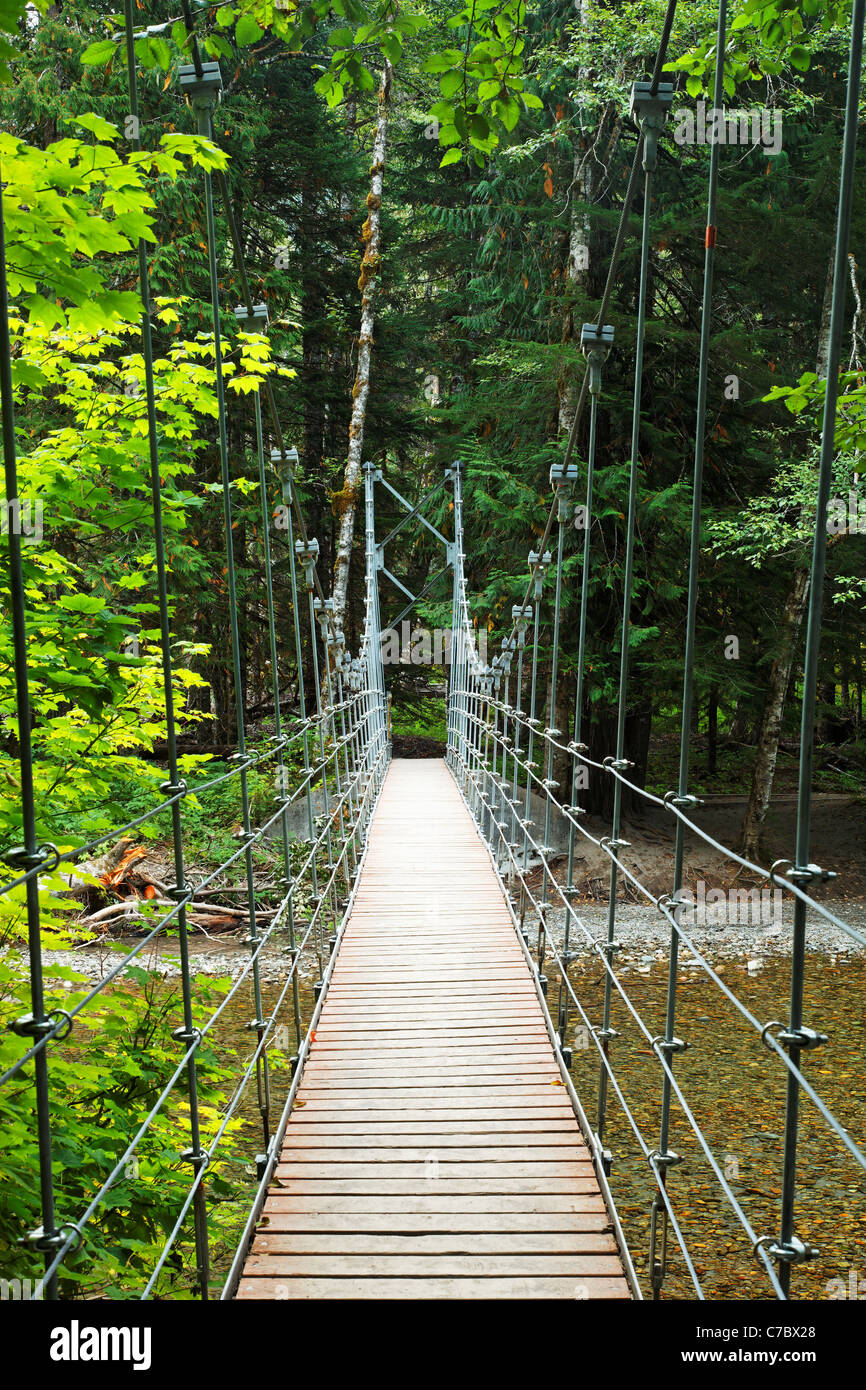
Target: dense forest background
[[476, 267], [427, 196]]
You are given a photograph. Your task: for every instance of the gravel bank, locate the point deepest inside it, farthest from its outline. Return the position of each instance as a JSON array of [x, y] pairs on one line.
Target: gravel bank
[[643, 931]]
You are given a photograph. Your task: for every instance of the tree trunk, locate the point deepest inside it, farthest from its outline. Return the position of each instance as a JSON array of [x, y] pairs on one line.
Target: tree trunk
[[780, 671], [345, 501], [771, 720]]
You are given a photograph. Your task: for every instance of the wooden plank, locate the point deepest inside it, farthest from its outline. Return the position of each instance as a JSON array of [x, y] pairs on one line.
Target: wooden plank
[[292, 1167], [547, 1099], [584, 1288], [390, 1149], [316, 1242], [455, 1224], [421, 1266], [420, 1185], [459, 1132], [391, 1204], [432, 1151]]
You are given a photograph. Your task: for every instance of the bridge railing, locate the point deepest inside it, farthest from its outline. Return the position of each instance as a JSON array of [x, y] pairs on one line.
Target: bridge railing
[[503, 746], [330, 757]]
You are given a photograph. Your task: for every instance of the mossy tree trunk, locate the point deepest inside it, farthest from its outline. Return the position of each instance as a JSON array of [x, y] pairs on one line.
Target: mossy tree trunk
[[345, 501]]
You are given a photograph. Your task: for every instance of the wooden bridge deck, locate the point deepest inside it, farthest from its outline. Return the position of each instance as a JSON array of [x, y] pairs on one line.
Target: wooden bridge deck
[[433, 1151]]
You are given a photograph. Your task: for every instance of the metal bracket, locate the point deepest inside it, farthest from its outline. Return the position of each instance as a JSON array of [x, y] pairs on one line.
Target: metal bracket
[[254, 320], [308, 555], [284, 462], [595, 344], [650, 111], [538, 564], [563, 476], [204, 92]]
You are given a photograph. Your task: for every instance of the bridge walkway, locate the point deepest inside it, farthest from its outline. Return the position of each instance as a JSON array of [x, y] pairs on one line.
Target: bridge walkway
[[432, 1151]]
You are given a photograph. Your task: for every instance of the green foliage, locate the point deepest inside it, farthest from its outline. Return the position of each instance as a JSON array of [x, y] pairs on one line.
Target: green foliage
[[104, 1080], [766, 38]]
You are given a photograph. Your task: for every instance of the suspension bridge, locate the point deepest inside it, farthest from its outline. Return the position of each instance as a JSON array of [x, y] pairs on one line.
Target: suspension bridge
[[431, 1142]]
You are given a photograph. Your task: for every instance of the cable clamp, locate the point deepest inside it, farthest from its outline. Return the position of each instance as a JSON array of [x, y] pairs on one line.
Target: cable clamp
[[669, 1044], [664, 1161], [29, 1026], [199, 1158], [553, 733], [19, 859], [792, 1252], [255, 1022], [182, 1035], [610, 945], [576, 810], [802, 874], [244, 759], [617, 764], [607, 842], [549, 784], [684, 799], [805, 1039], [46, 1241], [606, 1034], [577, 748]]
